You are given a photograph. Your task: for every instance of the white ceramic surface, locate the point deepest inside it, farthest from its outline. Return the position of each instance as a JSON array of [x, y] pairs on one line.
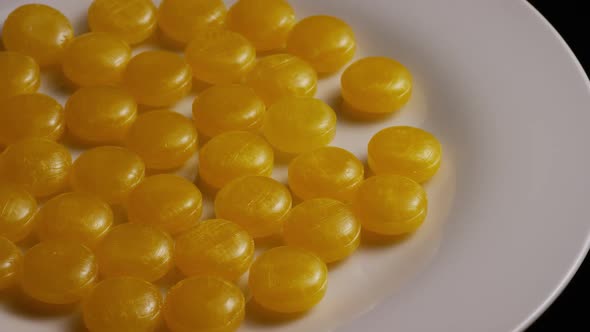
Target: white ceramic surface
[[508, 222]]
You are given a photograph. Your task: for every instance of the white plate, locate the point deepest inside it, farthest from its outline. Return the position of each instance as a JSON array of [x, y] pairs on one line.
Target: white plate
[[508, 222]]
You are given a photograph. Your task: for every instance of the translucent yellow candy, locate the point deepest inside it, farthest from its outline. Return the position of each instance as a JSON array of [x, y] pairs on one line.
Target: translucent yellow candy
[[76, 217], [222, 108], [122, 304], [406, 151], [39, 165], [326, 42], [288, 280], [214, 247], [100, 115], [234, 154], [282, 75], [20, 74], [158, 78], [166, 201], [163, 139], [295, 125], [30, 115], [324, 226], [256, 203], [109, 172], [328, 172], [38, 31], [204, 304], [10, 263], [17, 209], [135, 250], [180, 19], [131, 20], [390, 204], [376, 85], [95, 58], [266, 23], [58, 272]]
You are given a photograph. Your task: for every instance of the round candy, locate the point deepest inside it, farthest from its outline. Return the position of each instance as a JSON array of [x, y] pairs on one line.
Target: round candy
[[288, 280], [204, 304], [376, 85], [214, 247], [109, 172], [10, 263], [181, 19], [30, 115], [131, 20], [406, 151], [324, 226], [390, 204], [95, 58], [158, 78], [39, 165], [135, 250], [266, 23], [163, 139], [58, 272], [122, 304], [20, 74], [282, 75], [17, 211], [165, 201], [328, 172], [39, 31], [295, 125], [74, 216], [100, 115], [222, 108], [256, 203], [234, 154], [326, 42]]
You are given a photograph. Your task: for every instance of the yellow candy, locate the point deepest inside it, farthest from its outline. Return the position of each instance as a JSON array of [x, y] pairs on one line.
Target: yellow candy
[[406, 151], [100, 115], [168, 202], [163, 139], [39, 165], [390, 204], [295, 125], [288, 280], [181, 19], [256, 203], [324, 226], [234, 154], [220, 56], [214, 247], [282, 75], [20, 74], [158, 78], [222, 108], [131, 20], [30, 115], [76, 217], [376, 85], [108, 172], [122, 304], [204, 304], [17, 209], [38, 31], [135, 250], [95, 58], [10, 263], [326, 42], [58, 272], [266, 23]]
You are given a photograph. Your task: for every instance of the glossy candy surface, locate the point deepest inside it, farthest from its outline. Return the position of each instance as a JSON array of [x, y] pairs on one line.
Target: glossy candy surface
[[17, 211], [179, 20], [204, 304], [10, 263], [390, 204], [131, 20], [20, 74]]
